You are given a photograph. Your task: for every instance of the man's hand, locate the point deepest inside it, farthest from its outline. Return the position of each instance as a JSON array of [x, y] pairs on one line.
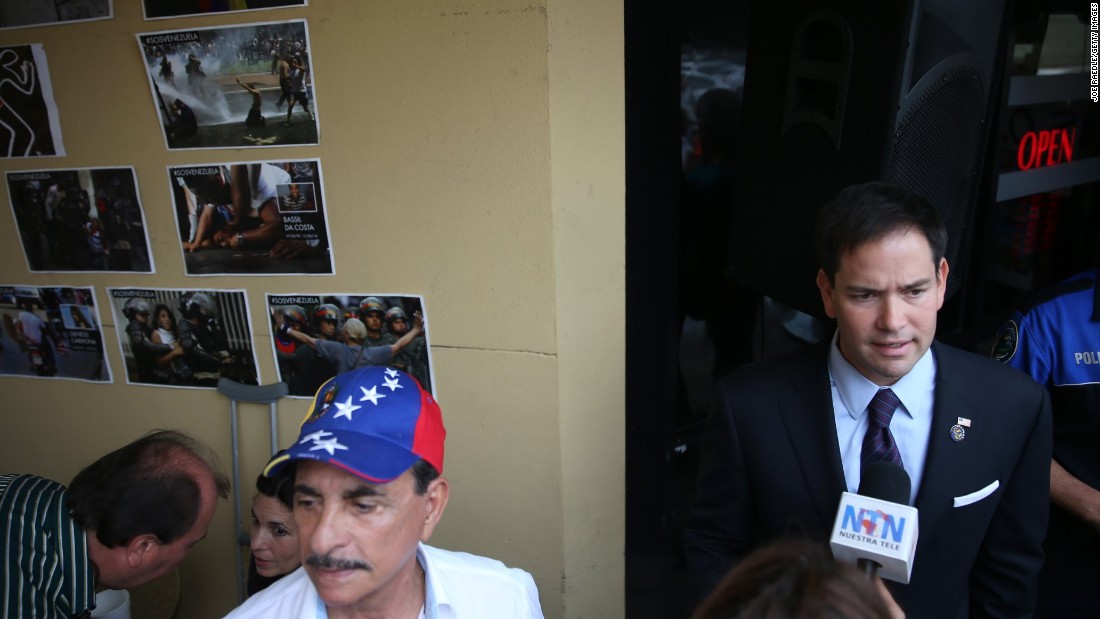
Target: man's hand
[[224, 238], [891, 605]]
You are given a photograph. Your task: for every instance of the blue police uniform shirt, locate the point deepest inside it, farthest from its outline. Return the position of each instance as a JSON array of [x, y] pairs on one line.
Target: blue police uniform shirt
[[1056, 342]]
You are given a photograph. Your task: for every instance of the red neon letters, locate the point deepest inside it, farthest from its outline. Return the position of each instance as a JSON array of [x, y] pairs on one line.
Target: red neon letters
[[1046, 148]]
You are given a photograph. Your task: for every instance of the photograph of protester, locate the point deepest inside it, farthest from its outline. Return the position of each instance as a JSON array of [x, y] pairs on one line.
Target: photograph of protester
[[21, 13], [29, 125], [52, 332], [184, 338], [233, 86], [160, 9], [252, 218], [316, 335], [80, 220]]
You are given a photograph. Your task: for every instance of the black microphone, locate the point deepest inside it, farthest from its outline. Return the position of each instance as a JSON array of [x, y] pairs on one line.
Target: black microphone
[[876, 528]]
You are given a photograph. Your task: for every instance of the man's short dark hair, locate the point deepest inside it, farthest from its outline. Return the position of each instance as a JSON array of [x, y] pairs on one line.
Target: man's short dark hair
[[423, 473], [148, 486], [870, 212]]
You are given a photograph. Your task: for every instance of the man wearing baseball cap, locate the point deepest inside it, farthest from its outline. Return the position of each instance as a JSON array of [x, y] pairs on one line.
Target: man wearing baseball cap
[[367, 495]]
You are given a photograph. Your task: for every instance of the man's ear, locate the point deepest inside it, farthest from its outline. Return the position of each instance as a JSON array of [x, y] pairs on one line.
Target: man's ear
[[437, 494], [139, 547], [941, 281], [827, 292]]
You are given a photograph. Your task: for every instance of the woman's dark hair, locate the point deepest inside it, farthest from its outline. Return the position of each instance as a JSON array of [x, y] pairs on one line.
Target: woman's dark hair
[[171, 314], [863, 213], [148, 486], [794, 580], [279, 486]]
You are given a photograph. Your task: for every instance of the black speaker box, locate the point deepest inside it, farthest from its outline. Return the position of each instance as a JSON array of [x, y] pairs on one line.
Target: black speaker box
[[838, 93]]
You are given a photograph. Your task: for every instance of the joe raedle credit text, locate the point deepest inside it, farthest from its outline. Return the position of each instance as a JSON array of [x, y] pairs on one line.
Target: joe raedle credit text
[[1094, 51]]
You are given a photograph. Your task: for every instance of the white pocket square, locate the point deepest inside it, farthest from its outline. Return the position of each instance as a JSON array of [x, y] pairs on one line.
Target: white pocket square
[[974, 497]]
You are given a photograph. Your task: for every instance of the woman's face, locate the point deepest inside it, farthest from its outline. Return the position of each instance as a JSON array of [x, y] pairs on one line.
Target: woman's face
[[274, 543], [164, 319]]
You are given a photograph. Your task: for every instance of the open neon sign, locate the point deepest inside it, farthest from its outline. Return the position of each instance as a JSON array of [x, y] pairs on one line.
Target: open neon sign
[[1046, 148]]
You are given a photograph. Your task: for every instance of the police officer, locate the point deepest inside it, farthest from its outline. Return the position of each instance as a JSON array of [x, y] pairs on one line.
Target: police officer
[[1055, 339], [199, 337], [414, 358], [295, 317], [146, 351], [372, 312], [311, 370]]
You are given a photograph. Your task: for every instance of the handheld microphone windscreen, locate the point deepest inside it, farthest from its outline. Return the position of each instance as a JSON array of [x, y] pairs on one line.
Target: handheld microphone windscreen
[[886, 482]]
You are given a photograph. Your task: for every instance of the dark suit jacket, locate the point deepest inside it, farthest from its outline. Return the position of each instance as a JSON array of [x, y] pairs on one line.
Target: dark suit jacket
[[771, 468]]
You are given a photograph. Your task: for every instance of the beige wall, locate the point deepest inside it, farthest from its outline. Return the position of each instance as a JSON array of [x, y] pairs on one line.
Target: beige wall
[[472, 152]]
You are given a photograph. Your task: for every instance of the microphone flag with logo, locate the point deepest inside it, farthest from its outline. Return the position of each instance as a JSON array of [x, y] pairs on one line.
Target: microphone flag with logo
[[875, 528]]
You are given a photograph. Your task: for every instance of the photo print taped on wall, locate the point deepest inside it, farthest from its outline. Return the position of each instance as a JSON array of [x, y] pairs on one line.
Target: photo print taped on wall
[[385, 329], [252, 218], [163, 9], [186, 338], [52, 332], [27, 13], [221, 87], [88, 219], [29, 125]]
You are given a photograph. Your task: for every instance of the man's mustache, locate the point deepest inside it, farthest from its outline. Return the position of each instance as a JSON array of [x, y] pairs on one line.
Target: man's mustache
[[328, 562]]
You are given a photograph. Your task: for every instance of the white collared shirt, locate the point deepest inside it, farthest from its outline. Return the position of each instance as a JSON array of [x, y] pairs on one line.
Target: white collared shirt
[[458, 585], [911, 425]]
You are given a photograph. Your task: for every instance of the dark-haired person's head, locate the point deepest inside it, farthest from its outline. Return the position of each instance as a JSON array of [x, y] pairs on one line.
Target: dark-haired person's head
[[354, 457], [795, 580], [883, 277], [145, 505], [273, 537], [871, 212]]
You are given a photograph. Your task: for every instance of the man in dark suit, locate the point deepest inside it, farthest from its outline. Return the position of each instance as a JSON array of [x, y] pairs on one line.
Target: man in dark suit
[[786, 437]]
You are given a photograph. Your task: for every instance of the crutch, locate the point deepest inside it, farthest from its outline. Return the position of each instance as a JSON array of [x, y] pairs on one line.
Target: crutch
[[256, 394]]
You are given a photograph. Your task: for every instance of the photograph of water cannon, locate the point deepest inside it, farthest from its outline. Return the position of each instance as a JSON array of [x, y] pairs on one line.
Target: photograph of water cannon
[[222, 87]]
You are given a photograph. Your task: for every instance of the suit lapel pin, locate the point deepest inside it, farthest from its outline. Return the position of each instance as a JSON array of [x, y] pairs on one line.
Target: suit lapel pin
[[957, 433], [964, 422]]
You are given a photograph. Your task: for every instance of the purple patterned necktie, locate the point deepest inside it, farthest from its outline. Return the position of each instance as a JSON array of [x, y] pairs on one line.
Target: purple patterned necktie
[[878, 443]]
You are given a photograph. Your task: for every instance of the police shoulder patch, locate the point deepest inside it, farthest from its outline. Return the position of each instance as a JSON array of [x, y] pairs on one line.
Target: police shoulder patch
[[1008, 338]]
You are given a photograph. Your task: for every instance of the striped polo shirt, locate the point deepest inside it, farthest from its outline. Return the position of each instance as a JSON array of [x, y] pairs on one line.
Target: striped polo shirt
[[45, 571]]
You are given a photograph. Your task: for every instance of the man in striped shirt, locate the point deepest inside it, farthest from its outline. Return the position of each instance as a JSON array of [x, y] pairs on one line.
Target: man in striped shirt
[[126, 519]]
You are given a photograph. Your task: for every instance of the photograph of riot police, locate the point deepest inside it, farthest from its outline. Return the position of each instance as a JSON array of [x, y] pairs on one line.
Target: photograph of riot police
[[80, 220], [316, 337], [252, 218], [184, 338], [51, 332]]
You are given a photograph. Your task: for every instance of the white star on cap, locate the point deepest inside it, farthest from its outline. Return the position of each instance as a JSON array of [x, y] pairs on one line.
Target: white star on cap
[[329, 445], [346, 408], [316, 436], [392, 373], [371, 395], [392, 384]]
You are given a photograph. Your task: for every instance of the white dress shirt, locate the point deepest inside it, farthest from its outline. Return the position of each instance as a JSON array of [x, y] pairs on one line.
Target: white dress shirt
[[458, 585], [911, 425]]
